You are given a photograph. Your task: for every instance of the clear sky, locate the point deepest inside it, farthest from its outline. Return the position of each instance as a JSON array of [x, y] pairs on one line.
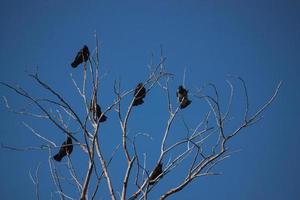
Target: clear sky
[[257, 40]]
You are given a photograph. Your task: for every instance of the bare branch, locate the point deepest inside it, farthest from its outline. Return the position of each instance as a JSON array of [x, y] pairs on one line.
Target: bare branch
[[35, 181]]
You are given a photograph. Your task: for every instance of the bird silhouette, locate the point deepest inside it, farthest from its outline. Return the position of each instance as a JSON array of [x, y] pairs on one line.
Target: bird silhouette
[[96, 110], [82, 56], [182, 96], [156, 172], [139, 94], [65, 149]]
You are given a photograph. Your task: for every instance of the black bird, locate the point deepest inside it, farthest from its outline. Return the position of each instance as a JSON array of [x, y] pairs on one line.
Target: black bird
[[82, 56], [65, 149], [139, 94], [97, 113], [182, 96], [156, 172]]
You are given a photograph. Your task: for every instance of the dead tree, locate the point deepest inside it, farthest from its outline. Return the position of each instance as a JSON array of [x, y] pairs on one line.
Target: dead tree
[[137, 176]]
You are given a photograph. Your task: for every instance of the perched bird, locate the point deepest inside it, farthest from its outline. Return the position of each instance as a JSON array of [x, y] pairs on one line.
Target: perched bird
[[82, 56], [182, 96], [139, 94], [96, 110], [156, 172], [65, 149]]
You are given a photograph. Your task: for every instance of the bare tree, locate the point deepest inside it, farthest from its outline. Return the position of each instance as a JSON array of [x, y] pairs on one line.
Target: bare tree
[[201, 149]]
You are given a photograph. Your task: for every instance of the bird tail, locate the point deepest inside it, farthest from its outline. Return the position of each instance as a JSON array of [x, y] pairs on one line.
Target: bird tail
[[137, 102], [185, 104], [103, 118], [74, 64], [151, 182], [57, 157]]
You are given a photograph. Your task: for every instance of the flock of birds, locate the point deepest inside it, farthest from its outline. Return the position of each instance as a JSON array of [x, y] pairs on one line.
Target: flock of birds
[[139, 95]]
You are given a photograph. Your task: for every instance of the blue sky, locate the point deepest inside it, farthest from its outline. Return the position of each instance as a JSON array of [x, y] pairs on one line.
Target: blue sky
[[257, 40]]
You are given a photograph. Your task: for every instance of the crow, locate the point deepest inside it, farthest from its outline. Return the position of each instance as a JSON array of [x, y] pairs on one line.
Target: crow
[[182, 96], [97, 113], [139, 94], [82, 56], [156, 172], [65, 149]]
